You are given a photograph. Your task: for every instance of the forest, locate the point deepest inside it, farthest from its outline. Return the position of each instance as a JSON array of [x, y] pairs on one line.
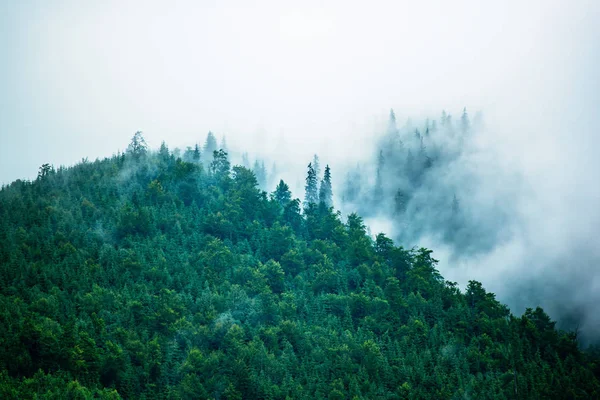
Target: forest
[[160, 274]]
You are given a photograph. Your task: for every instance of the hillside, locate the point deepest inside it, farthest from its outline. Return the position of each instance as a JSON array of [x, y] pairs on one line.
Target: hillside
[[149, 275]]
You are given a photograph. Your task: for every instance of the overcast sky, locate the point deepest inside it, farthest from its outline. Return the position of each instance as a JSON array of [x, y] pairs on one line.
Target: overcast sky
[[78, 78]]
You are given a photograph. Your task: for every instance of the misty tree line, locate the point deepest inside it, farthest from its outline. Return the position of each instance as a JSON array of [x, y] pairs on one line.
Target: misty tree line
[[203, 154], [411, 182], [144, 275]]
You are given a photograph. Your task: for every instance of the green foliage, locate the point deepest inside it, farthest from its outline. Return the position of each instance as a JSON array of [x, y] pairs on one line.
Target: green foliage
[[325, 190], [311, 190], [220, 165], [282, 194], [138, 147], [147, 277]]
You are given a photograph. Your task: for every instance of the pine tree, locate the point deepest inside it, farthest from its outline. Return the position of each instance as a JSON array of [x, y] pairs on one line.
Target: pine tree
[[311, 195], [261, 173], [44, 171], [196, 155], [220, 165], [210, 146], [188, 154], [325, 191], [163, 152], [138, 147], [392, 129], [417, 134], [282, 193], [443, 118], [424, 159], [317, 167]]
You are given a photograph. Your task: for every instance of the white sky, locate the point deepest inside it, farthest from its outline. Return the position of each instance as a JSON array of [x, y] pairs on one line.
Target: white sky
[[77, 79]]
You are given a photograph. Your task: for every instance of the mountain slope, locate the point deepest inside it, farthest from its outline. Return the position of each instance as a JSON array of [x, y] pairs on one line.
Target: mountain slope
[[147, 276]]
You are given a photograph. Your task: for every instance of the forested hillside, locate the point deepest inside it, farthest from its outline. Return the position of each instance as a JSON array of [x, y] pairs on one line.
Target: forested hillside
[[149, 275]]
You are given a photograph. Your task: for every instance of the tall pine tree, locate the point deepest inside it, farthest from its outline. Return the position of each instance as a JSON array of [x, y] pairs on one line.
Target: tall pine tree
[[311, 195], [261, 173], [210, 146], [325, 191]]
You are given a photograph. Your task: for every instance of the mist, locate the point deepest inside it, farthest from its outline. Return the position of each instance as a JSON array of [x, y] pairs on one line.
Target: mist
[[284, 82]]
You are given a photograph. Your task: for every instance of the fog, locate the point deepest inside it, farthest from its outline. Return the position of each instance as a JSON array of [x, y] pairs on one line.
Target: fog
[[283, 82]]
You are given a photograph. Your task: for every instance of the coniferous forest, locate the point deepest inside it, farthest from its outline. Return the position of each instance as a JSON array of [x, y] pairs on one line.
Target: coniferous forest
[[157, 276]]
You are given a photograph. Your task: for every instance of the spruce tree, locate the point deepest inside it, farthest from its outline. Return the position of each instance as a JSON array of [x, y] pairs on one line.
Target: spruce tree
[[196, 155], [138, 147], [261, 173], [311, 195], [209, 146], [392, 129], [163, 152], [282, 193], [317, 167], [325, 191]]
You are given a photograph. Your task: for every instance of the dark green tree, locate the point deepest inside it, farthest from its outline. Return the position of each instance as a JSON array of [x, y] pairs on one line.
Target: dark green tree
[[210, 146], [311, 194], [220, 165], [163, 152], [137, 147], [282, 194], [325, 190], [261, 173], [44, 171]]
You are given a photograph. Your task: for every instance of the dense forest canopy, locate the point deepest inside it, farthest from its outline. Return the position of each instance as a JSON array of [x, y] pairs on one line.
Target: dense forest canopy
[[157, 274]]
